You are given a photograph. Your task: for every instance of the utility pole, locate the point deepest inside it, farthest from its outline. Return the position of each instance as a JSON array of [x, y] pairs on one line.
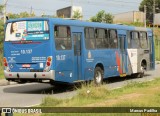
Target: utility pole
[[145, 12], [71, 9], [154, 4], [4, 10]]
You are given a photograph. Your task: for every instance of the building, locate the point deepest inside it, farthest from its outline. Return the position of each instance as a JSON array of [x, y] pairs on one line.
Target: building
[[157, 19], [68, 12], [129, 17]]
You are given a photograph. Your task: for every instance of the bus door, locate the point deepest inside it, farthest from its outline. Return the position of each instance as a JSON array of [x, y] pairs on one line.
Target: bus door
[[123, 55], [77, 55]]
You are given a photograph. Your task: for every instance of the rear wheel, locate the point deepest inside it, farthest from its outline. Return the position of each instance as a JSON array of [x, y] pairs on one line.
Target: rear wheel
[[142, 72], [98, 76]]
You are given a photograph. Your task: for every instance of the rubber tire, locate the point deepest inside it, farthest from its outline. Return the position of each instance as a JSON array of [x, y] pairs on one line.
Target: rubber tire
[[98, 72], [141, 74]]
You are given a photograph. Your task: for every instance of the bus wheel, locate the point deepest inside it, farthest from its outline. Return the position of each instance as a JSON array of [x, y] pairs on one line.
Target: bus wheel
[[143, 69], [98, 76]]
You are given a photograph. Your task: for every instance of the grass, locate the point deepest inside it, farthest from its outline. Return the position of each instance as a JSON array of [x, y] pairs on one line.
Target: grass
[[134, 94], [90, 95], [1, 73]]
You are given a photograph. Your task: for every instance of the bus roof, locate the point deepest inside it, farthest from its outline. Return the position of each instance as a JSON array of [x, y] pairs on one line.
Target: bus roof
[[62, 21]]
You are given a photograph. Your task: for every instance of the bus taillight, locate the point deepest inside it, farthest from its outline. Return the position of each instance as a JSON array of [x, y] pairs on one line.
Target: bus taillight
[[5, 63], [4, 59], [48, 64], [49, 59]]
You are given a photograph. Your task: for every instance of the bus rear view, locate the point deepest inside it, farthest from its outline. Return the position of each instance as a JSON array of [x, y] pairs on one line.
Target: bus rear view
[[27, 52]]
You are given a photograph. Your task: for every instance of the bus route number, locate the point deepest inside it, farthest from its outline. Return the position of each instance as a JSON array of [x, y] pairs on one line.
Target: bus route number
[[28, 51], [60, 57]]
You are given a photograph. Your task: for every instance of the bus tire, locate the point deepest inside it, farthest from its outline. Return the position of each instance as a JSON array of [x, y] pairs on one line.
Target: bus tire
[[98, 76], [143, 69]]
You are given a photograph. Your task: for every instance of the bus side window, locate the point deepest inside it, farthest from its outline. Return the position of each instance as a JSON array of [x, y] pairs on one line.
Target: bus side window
[[113, 40], [135, 43], [128, 39], [89, 38], [143, 40], [62, 37], [100, 36], [106, 39]]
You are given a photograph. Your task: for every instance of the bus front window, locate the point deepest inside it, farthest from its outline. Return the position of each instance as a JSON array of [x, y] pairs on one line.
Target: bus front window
[[27, 30]]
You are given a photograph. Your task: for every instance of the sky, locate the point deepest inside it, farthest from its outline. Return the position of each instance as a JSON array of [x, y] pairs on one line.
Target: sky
[[89, 7]]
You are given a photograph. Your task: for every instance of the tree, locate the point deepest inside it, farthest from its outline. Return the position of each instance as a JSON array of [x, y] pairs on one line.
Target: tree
[[20, 15], [101, 16], [1, 36], [149, 6], [77, 14], [1, 31]]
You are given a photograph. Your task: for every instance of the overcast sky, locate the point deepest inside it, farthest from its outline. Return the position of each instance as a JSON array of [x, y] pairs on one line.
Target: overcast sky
[[89, 7]]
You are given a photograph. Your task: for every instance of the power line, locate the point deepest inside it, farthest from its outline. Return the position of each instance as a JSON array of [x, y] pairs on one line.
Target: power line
[[112, 3], [28, 8], [89, 3]]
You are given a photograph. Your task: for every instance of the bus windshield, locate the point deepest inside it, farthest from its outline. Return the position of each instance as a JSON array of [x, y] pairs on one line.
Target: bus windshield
[[27, 30]]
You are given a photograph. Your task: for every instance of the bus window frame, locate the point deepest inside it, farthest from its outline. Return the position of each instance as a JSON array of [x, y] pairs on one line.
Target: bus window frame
[[143, 41], [63, 47], [131, 37], [109, 38], [104, 40], [92, 46]]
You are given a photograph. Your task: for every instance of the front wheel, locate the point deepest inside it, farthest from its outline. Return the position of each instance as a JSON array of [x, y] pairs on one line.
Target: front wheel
[[98, 76]]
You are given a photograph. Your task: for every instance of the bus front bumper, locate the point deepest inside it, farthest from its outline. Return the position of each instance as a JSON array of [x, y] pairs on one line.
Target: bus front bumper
[[30, 75]]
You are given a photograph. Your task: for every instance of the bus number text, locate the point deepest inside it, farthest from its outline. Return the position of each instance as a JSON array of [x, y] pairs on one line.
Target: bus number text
[[28, 51], [61, 57]]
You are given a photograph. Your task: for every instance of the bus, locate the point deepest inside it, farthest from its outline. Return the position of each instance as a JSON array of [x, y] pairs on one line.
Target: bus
[[70, 51]]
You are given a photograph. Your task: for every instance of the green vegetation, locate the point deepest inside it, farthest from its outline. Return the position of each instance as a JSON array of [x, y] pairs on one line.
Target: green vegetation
[[77, 14], [1, 48], [20, 15], [134, 94], [149, 8], [101, 16], [137, 24], [157, 43], [90, 96]]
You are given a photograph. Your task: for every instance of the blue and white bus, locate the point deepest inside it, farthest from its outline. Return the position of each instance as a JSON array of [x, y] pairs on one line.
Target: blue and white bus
[[60, 50]]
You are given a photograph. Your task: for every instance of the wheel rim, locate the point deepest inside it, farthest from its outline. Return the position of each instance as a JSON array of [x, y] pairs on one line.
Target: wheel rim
[[142, 71], [98, 77]]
